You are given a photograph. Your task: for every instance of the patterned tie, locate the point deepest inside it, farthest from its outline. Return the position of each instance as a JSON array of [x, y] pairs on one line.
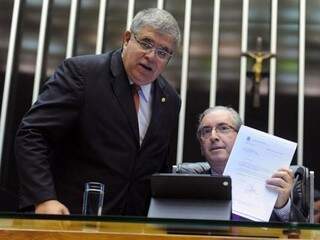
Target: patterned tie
[[135, 89]]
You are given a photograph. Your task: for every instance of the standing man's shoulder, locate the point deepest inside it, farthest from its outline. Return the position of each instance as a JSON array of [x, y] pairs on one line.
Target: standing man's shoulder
[[86, 69], [92, 61]]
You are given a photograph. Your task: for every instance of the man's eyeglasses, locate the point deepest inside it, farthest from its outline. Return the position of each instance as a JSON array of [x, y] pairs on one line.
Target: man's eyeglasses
[[148, 46], [205, 132]]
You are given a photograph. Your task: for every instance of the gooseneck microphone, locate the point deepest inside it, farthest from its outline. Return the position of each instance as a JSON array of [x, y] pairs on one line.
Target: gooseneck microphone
[[297, 192]]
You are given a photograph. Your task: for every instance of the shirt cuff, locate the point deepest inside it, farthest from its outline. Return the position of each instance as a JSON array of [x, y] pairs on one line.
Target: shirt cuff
[[283, 213]]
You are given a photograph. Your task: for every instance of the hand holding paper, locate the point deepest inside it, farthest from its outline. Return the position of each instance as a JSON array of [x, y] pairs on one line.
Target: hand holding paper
[[281, 182], [255, 157]]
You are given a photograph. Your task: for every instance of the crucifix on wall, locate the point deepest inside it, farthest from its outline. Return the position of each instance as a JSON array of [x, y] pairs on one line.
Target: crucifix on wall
[[257, 75]]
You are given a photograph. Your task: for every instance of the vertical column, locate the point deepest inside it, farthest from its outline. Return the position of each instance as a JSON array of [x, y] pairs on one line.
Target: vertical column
[[72, 27], [160, 4], [273, 62], [184, 79], [41, 49], [101, 26], [9, 70], [302, 36], [130, 13], [214, 53], [243, 61]]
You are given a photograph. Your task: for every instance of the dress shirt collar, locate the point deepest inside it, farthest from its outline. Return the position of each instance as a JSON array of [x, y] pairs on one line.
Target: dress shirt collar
[[145, 92]]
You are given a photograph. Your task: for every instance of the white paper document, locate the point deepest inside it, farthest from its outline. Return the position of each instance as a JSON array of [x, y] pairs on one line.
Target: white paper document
[[254, 158]]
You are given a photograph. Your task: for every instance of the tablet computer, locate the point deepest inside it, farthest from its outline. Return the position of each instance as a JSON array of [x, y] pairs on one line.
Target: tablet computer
[[190, 196]]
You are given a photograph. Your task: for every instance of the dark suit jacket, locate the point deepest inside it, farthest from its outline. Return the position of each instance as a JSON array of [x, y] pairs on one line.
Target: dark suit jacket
[[84, 128]]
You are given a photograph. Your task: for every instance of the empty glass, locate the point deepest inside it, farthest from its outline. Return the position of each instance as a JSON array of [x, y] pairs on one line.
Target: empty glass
[[93, 199]]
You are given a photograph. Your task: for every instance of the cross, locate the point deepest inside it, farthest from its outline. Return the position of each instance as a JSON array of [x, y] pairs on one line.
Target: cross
[[258, 56]]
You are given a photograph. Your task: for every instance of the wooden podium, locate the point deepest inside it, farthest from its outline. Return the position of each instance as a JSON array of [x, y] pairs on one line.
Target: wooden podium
[[45, 227]]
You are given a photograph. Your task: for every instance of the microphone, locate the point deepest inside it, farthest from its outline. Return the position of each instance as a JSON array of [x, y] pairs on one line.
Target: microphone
[[299, 172], [297, 189]]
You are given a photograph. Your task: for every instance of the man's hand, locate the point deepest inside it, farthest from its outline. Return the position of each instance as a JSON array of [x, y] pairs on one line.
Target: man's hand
[[51, 207], [281, 182]]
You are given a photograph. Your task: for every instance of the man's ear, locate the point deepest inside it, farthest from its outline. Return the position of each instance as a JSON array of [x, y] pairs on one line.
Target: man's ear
[[125, 38]]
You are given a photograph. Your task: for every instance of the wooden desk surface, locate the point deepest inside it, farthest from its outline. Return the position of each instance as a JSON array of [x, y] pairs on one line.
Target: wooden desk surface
[[46, 229]]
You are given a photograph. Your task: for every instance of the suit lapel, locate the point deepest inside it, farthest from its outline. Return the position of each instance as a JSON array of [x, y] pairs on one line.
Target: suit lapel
[[122, 91], [159, 100]]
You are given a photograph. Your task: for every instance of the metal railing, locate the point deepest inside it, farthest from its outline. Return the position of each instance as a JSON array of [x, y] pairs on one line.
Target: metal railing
[[73, 17]]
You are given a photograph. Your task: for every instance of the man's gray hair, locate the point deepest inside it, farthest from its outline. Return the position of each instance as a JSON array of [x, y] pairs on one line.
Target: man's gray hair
[[159, 19], [236, 119]]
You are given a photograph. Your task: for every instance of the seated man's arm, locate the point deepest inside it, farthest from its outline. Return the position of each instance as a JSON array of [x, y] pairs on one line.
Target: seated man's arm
[[283, 214], [282, 182]]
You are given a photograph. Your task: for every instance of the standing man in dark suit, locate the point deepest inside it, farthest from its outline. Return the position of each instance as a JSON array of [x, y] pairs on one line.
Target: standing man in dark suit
[[106, 118]]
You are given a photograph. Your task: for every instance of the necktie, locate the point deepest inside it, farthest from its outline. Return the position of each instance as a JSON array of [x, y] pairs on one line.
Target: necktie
[[135, 89]]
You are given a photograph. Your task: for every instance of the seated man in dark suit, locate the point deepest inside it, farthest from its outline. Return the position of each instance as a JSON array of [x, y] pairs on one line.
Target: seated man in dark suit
[[217, 131]]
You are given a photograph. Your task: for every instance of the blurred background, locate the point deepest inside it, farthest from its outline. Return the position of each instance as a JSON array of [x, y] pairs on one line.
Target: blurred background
[[198, 71]]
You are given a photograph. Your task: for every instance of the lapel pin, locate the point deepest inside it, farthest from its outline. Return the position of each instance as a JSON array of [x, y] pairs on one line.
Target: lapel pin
[[163, 99]]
